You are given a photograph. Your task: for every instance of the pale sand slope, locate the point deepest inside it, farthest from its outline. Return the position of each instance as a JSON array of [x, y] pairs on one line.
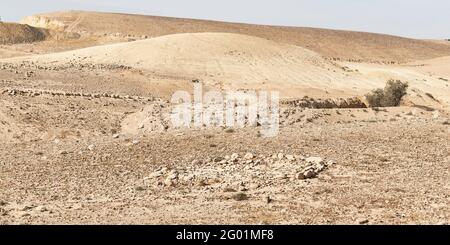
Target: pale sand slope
[[329, 43], [235, 61], [422, 79], [439, 67], [222, 60]]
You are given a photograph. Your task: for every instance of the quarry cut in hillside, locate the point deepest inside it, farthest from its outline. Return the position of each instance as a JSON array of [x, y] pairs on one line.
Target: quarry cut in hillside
[[332, 44], [12, 33]]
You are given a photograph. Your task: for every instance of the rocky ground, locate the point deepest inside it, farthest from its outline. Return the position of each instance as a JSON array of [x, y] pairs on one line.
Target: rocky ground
[[379, 173], [86, 138], [66, 159]]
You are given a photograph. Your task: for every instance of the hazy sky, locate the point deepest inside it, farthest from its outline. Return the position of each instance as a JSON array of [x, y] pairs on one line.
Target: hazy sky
[[412, 18]]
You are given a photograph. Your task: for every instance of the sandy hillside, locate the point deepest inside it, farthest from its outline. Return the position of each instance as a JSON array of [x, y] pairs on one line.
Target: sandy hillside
[[422, 84], [438, 67], [329, 43], [223, 60], [235, 61]]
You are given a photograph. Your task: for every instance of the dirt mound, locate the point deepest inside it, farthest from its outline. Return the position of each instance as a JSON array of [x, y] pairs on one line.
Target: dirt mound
[[333, 44], [12, 33]]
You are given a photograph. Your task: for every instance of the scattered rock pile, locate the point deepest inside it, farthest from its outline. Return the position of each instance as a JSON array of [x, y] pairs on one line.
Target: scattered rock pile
[[72, 64], [240, 172], [34, 93], [312, 103], [157, 117], [381, 62]]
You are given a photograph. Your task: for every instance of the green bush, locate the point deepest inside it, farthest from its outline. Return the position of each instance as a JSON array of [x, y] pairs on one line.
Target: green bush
[[391, 95]]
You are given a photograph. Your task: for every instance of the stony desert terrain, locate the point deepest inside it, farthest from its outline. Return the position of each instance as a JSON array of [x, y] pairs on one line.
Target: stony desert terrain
[[86, 139]]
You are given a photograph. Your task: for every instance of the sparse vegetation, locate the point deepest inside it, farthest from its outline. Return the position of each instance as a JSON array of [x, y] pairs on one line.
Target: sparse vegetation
[[240, 196], [229, 130], [377, 109], [228, 189], [391, 95]]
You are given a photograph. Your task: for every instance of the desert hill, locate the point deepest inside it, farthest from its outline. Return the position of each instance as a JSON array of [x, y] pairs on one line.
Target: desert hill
[[239, 62], [86, 135], [13, 33], [333, 44], [222, 60]]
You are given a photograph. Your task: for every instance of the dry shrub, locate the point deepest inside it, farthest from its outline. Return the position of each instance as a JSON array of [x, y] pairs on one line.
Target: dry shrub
[[391, 95]]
